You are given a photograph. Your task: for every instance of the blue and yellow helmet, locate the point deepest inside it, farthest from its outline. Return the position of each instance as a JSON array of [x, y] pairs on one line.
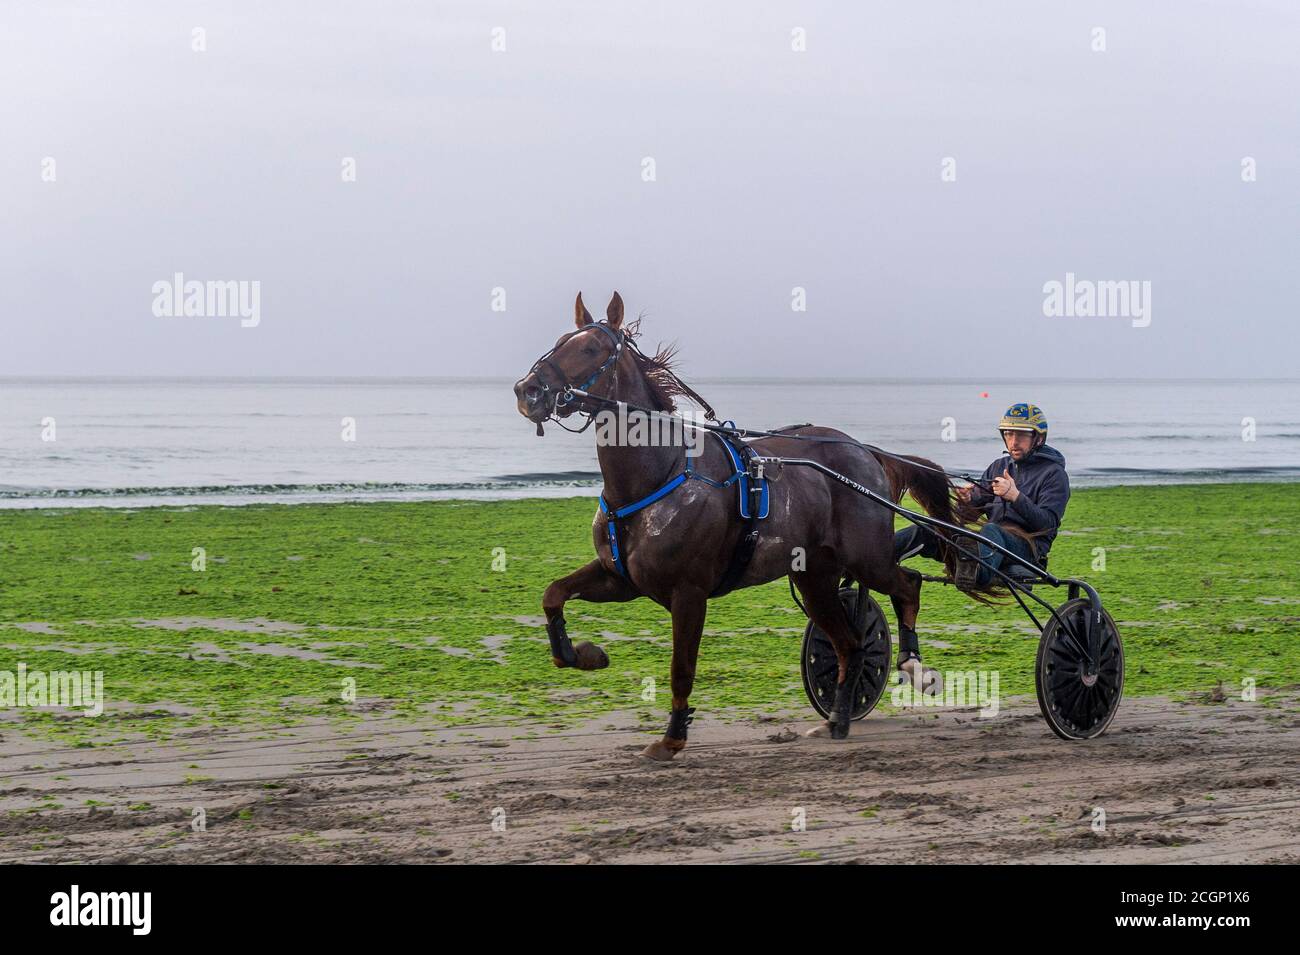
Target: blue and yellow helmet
[[1024, 417]]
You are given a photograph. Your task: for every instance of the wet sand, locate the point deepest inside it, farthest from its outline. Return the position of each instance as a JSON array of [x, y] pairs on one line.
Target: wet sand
[[1179, 782]]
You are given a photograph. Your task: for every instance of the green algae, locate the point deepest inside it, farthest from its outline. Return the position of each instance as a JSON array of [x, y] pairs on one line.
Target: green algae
[[433, 610]]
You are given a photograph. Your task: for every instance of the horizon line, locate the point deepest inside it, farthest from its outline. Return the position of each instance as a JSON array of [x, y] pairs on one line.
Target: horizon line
[[719, 379]]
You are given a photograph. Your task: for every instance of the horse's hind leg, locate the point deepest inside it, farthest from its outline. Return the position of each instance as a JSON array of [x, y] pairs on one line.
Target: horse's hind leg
[[596, 584], [905, 595], [821, 597]]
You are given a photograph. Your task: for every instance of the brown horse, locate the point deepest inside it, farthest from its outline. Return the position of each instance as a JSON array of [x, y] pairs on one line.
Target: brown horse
[[677, 549]]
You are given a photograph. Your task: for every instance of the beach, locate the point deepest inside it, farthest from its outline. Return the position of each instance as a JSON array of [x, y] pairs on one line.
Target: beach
[[263, 661]]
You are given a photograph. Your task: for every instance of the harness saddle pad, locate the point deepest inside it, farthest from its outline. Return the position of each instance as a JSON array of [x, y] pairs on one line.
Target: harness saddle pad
[[740, 465]]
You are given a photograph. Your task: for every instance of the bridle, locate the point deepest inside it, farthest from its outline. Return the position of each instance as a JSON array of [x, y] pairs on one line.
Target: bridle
[[555, 400], [568, 393]]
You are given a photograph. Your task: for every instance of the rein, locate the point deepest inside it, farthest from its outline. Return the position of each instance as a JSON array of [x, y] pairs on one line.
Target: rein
[[729, 427]]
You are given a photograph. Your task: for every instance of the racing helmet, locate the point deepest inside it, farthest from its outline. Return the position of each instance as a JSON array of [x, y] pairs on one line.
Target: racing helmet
[[1023, 416]]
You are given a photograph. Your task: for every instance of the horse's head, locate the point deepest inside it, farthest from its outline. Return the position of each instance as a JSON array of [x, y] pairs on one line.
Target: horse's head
[[580, 359]]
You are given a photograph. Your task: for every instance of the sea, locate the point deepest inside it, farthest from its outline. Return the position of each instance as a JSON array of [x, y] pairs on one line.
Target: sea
[[135, 442]]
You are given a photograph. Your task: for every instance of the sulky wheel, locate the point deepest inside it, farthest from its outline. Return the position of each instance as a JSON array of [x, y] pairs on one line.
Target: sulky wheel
[[1075, 705], [821, 667]]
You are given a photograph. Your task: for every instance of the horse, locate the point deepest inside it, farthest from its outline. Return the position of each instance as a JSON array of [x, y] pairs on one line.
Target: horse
[[677, 549]]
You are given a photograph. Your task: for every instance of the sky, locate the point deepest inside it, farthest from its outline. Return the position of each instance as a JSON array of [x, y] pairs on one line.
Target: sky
[[920, 170]]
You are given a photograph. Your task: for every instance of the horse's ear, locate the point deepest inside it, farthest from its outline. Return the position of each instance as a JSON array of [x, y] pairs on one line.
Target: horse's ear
[[614, 314], [580, 313]]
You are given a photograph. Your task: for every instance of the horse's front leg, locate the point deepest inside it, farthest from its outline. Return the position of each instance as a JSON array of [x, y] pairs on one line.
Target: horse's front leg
[[689, 606], [596, 584]]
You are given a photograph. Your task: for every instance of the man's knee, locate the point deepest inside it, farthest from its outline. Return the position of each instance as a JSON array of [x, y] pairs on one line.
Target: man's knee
[[994, 533], [1013, 542], [990, 559]]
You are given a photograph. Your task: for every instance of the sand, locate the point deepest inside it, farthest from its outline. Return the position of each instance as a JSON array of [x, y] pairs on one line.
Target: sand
[[1179, 783]]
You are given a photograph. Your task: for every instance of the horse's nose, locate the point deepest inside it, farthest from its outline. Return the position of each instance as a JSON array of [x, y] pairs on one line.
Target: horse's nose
[[527, 391]]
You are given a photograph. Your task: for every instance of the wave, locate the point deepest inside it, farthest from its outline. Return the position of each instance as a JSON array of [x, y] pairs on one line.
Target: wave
[[1228, 434], [538, 481], [550, 476], [576, 479], [545, 483], [1281, 471]]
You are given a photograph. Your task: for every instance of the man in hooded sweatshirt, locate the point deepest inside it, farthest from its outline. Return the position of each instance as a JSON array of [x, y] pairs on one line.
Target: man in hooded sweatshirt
[[1030, 491]]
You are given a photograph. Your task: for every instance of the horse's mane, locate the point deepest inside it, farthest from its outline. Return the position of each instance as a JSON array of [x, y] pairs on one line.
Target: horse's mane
[[659, 372]]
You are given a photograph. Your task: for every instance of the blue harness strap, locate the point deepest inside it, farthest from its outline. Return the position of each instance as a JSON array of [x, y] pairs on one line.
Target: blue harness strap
[[647, 500], [612, 515], [739, 473]]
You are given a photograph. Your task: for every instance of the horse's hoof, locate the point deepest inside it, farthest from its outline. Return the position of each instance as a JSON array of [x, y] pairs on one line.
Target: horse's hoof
[[590, 656], [660, 751], [820, 731], [840, 730], [924, 679]]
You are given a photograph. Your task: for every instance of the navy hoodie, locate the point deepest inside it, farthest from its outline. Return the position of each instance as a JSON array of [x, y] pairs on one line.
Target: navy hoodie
[[1044, 492]]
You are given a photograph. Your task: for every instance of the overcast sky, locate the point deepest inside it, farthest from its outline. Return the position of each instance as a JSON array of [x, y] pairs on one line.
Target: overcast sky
[[774, 168]]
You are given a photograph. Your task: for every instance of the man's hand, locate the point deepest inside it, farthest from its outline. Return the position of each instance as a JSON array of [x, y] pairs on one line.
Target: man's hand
[[1004, 486]]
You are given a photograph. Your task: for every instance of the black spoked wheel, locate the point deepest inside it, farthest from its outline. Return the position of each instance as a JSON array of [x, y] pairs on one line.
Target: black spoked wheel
[[1075, 705], [821, 668]]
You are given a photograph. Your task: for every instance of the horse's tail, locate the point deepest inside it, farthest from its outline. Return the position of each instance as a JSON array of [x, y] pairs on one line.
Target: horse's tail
[[931, 487], [927, 482]]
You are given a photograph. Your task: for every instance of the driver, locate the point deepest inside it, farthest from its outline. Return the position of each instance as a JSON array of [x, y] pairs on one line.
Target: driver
[[1024, 510]]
